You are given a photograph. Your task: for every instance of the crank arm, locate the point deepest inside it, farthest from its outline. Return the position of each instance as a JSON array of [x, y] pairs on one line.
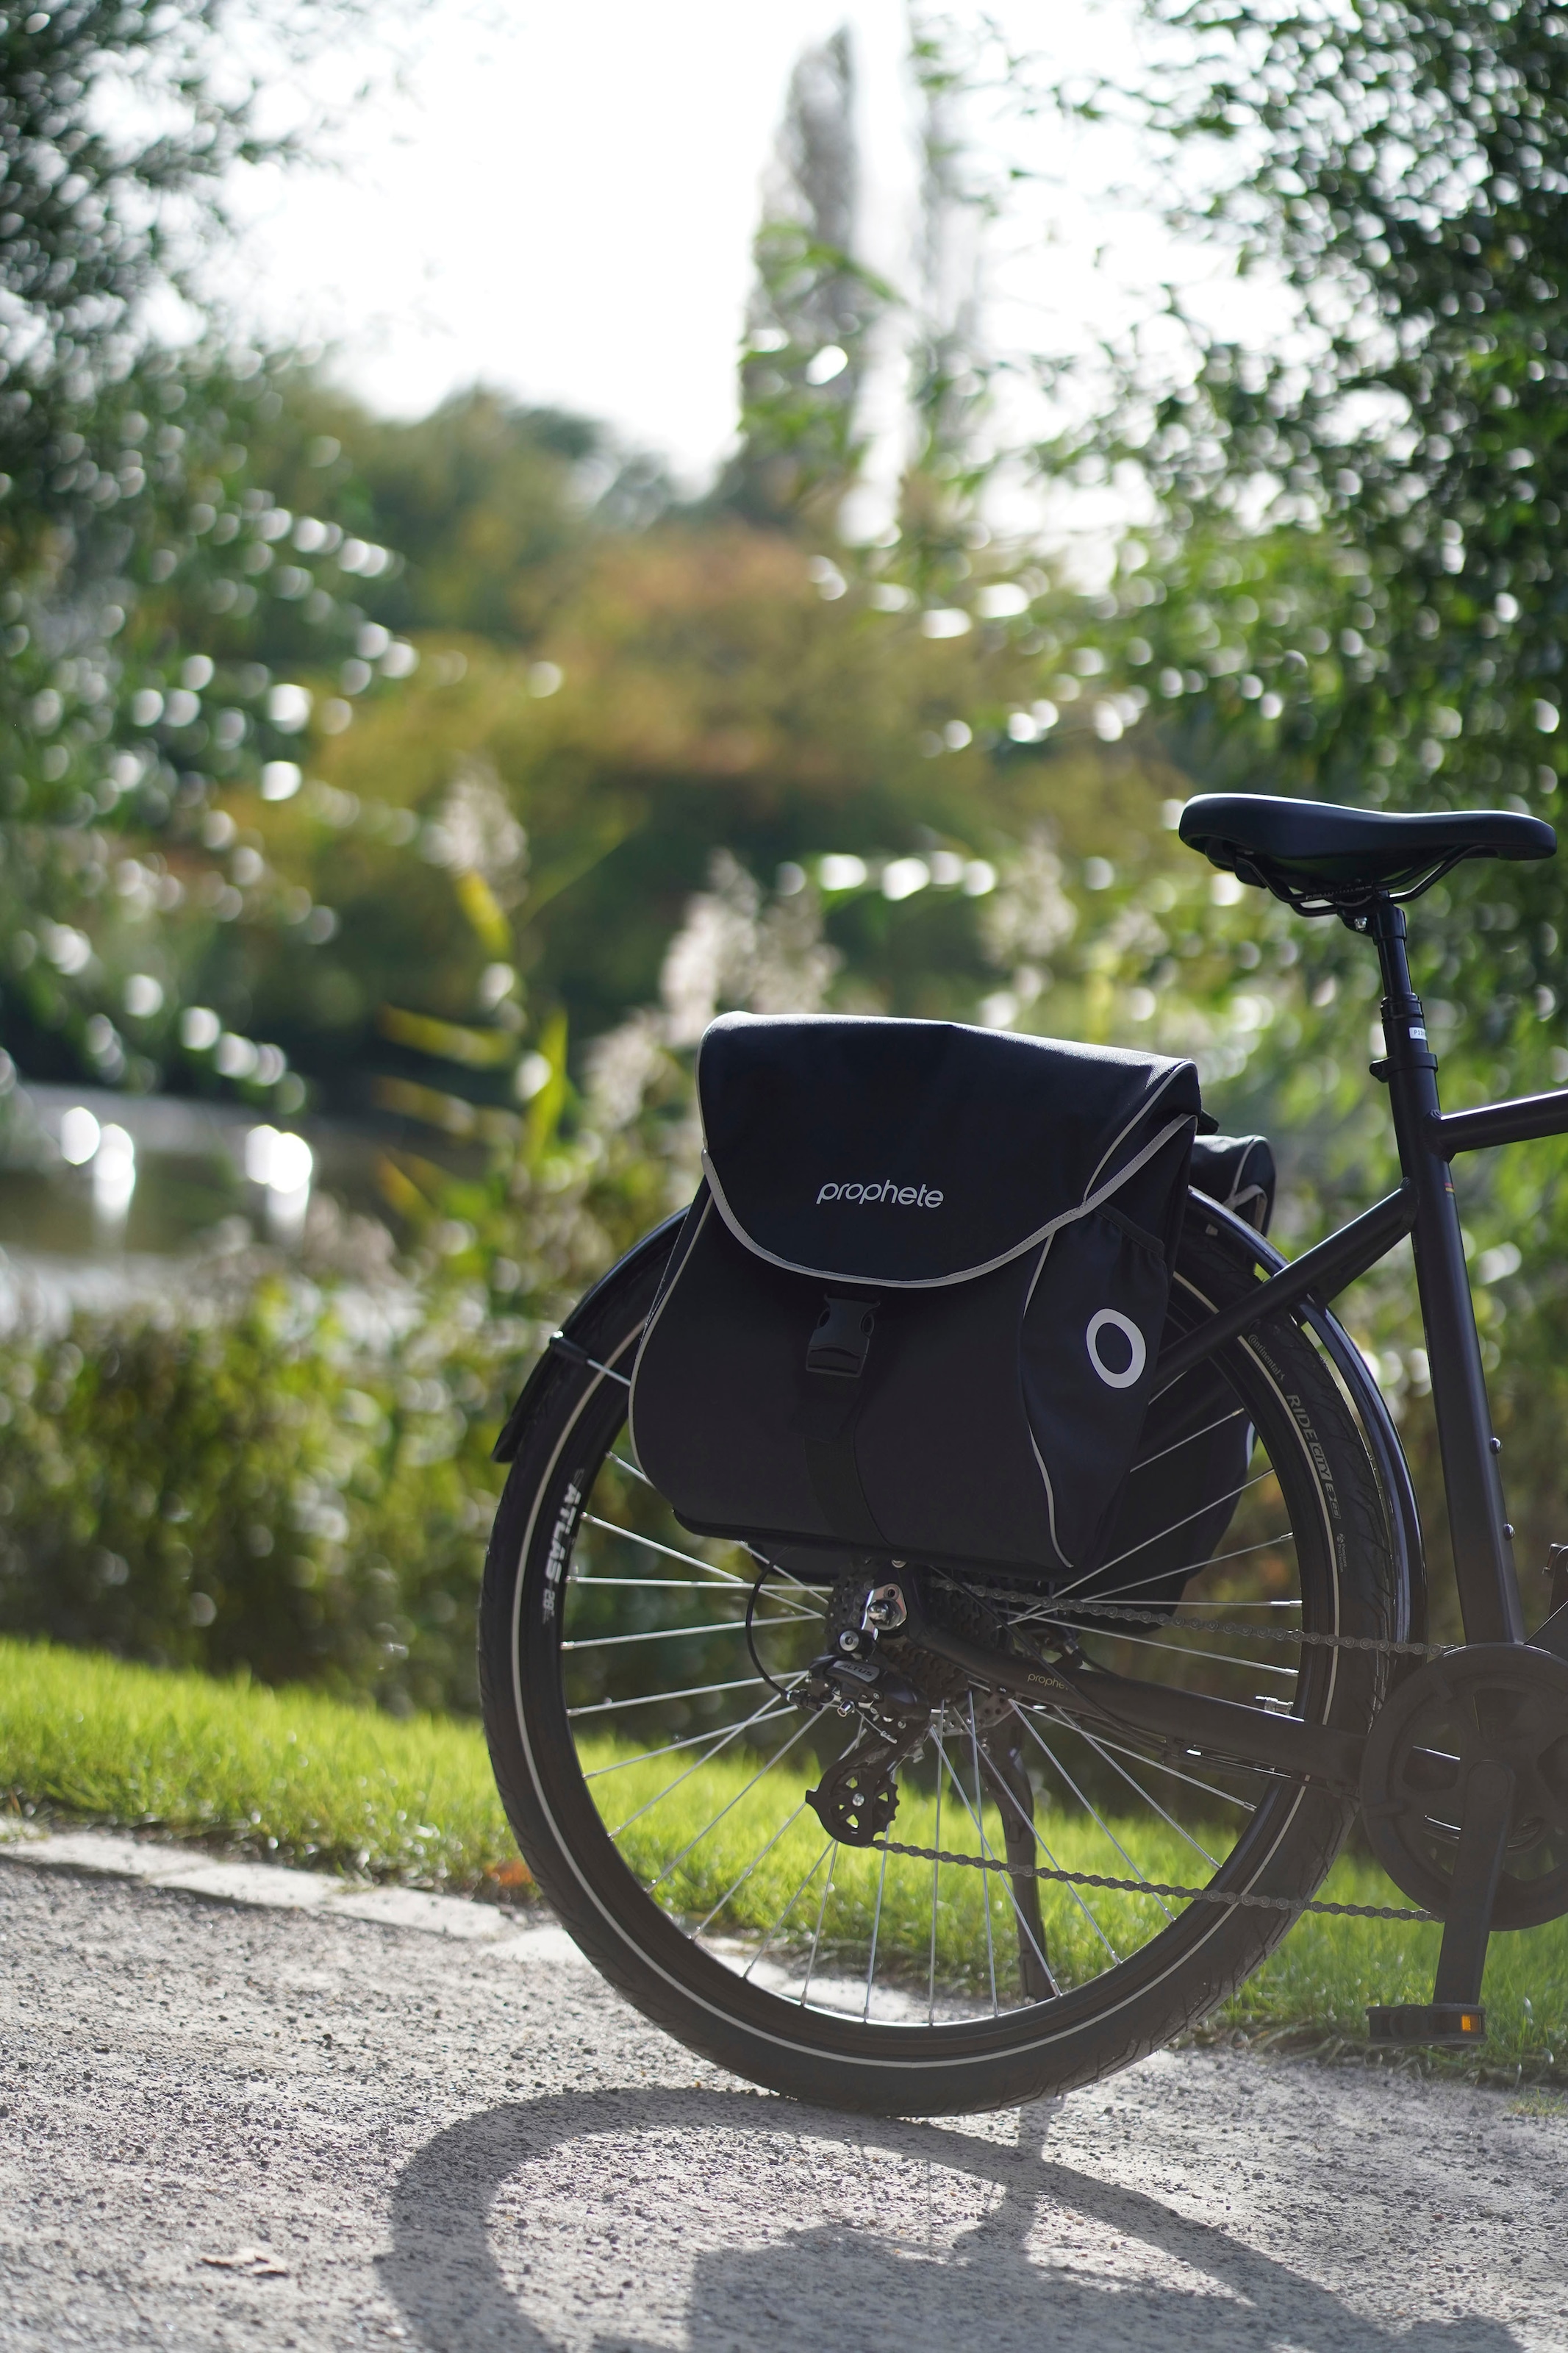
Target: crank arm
[[1218, 1728]]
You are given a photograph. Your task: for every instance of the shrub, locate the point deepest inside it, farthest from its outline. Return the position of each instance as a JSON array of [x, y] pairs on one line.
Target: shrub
[[253, 1484]]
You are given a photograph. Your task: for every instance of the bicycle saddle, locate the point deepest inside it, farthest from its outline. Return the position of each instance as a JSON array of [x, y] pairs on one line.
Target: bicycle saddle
[[1319, 856]]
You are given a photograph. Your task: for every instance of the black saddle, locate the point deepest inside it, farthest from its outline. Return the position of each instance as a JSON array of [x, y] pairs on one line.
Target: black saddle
[[1324, 859]]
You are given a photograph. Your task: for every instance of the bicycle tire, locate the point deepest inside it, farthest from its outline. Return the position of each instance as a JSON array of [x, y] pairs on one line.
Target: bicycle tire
[[563, 1432]]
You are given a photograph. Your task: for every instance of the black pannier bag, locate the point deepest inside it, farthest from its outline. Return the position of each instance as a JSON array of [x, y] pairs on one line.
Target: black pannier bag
[[1192, 1455], [1238, 1171], [915, 1307]]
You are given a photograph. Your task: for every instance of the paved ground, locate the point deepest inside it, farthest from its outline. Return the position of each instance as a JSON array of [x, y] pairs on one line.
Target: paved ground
[[224, 2123]]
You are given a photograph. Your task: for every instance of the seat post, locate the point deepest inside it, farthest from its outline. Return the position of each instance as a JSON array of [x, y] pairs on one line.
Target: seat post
[[1483, 1553]]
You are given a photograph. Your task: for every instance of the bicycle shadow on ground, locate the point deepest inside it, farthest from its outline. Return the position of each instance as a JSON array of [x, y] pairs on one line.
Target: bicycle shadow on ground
[[688, 2210]]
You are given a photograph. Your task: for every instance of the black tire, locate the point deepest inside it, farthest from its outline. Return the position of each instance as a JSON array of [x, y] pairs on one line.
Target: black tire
[[1349, 1582]]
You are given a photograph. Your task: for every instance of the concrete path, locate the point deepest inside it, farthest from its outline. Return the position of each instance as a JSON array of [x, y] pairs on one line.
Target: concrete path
[[247, 2108]]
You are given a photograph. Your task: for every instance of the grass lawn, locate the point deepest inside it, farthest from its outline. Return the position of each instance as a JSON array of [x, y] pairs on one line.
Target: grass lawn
[[307, 1780]]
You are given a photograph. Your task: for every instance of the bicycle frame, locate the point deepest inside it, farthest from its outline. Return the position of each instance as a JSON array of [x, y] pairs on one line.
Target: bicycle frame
[[1423, 1207]]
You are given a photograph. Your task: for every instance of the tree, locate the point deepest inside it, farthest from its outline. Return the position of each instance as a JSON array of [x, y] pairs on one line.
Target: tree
[[156, 653], [1354, 586], [1400, 167], [492, 506], [160, 600], [812, 306], [120, 123]]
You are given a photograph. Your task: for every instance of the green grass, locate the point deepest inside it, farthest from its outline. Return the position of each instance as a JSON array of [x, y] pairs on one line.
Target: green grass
[[283, 1774], [306, 1780]]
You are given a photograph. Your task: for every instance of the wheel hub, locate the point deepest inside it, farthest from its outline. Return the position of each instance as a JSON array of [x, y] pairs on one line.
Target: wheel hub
[[1495, 1702]]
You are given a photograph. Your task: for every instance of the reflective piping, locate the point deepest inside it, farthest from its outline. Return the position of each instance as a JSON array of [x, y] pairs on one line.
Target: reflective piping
[[1152, 1096], [965, 1274], [1034, 1443]]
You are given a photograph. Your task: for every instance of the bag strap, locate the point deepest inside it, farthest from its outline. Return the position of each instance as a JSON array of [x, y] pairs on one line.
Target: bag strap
[[835, 1361]]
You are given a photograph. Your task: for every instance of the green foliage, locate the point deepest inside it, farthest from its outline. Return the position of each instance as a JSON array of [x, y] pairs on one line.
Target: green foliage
[[155, 646], [119, 120], [249, 1487], [1391, 480], [152, 622], [702, 688], [491, 506]]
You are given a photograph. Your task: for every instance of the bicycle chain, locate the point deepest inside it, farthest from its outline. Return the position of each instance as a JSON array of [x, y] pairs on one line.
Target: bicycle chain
[[1154, 1888], [1131, 1617], [1135, 1616]]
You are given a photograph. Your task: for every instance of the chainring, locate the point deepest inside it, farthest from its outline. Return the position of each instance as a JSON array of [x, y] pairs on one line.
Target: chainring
[[1492, 1701]]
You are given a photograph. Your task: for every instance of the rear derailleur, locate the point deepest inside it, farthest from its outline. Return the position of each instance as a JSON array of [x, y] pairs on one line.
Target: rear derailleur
[[901, 1692], [857, 1798]]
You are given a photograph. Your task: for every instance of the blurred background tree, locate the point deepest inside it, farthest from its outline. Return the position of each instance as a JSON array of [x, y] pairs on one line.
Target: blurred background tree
[[1354, 586]]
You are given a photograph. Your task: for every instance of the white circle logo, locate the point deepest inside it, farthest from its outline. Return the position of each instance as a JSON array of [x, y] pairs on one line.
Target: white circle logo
[[1109, 1318]]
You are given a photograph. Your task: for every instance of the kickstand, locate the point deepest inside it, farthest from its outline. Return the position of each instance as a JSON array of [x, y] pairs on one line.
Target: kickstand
[[1455, 2014], [1008, 1775]]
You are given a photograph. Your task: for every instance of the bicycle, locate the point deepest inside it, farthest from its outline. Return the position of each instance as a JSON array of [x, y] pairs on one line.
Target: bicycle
[[1103, 1824]]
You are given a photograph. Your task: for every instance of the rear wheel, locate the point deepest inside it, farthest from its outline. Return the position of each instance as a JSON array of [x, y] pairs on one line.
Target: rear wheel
[[644, 1700]]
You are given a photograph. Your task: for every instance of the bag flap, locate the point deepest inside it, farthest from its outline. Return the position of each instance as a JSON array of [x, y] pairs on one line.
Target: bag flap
[[910, 1153]]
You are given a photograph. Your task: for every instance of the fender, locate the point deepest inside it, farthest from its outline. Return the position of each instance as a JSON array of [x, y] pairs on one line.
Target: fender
[[654, 1244]]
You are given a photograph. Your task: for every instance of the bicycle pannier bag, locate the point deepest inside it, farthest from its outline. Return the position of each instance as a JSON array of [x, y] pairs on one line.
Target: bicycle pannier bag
[[915, 1308], [1192, 1460], [1238, 1171]]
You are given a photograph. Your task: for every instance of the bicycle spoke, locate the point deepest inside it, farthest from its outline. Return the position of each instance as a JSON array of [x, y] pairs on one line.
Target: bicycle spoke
[[655, 1699], [1003, 1866], [1228, 1496], [1076, 1897], [695, 1767], [935, 1872], [1235, 1414], [1179, 1650], [984, 1874], [1237, 1605], [714, 1577], [1101, 1824], [777, 1758], [1193, 1569], [650, 1544], [692, 1740], [657, 1634], [767, 1941], [1158, 1765], [689, 1584], [817, 1934], [985, 1849], [756, 1860], [1196, 1844]]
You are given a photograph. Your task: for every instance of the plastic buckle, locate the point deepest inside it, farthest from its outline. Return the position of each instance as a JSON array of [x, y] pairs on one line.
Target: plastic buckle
[[842, 1340]]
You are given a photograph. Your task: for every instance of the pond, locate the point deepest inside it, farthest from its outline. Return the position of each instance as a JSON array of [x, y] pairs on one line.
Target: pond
[[102, 1194]]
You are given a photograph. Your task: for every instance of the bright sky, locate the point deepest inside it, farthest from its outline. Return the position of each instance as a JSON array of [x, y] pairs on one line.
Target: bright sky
[[562, 203]]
